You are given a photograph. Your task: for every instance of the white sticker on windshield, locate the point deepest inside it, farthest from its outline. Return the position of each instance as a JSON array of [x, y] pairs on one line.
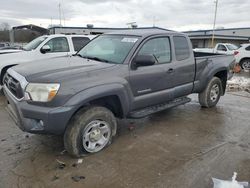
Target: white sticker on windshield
[[132, 40]]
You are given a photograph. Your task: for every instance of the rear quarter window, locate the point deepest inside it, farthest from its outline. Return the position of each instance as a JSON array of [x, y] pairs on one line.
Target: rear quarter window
[[79, 42], [181, 46]]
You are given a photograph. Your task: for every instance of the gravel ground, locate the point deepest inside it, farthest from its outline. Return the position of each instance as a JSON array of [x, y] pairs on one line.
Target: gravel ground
[[181, 147]]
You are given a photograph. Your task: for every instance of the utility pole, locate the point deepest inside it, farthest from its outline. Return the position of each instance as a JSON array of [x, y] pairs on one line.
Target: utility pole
[[60, 14], [215, 16]]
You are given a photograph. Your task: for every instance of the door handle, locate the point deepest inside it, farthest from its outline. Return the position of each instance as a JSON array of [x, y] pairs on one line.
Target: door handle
[[171, 70]]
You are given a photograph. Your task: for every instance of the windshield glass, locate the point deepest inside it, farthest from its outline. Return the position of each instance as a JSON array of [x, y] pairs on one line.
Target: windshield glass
[[109, 48], [232, 47], [34, 43]]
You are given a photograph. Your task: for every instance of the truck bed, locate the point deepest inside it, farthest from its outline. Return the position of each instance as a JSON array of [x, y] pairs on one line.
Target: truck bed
[[206, 63]]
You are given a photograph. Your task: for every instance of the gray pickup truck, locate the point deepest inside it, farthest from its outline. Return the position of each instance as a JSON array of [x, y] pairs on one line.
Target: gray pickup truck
[[125, 74]]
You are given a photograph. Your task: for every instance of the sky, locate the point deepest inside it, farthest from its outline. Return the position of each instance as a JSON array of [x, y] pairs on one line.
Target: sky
[[180, 15]]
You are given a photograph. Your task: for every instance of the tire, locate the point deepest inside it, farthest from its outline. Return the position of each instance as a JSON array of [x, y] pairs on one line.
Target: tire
[[1, 84], [2, 78], [89, 131], [1, 90], [245, 64], [211, 95]]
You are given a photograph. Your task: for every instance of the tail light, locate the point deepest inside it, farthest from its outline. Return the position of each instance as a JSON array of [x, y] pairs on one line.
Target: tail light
[[236, 52]]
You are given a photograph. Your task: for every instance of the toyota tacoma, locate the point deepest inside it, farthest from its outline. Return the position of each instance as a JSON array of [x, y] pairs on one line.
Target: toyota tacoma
[[124, 74]]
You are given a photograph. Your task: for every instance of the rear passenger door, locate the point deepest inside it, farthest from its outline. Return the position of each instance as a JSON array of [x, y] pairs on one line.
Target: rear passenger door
[[184, 66], [79, 42]]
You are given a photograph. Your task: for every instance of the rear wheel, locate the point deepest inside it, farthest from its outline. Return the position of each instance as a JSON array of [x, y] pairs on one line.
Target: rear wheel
[[89, 131], [211, 95], [245, 64]]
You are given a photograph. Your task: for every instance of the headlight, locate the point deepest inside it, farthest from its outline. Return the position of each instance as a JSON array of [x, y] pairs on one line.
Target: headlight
[[41, 92]]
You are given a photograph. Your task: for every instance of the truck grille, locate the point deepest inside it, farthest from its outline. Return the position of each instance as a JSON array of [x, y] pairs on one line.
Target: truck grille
[[13, 85]]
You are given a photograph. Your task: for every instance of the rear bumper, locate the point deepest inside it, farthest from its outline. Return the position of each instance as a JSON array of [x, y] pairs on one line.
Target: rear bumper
[[38, 119]]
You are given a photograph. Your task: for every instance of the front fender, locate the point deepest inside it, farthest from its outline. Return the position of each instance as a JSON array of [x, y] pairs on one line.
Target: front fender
[[115, 89]]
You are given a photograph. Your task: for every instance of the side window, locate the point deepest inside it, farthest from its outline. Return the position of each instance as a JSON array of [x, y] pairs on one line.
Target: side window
[[248, 48], [158, 47], [181, 46], [59, 44], [221, 48], [79, 42]]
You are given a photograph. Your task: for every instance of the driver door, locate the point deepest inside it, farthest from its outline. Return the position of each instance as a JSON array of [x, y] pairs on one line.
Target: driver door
[[152, 85]]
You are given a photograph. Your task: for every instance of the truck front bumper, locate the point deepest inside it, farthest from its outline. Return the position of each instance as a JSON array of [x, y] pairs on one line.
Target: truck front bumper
[[38, 119]]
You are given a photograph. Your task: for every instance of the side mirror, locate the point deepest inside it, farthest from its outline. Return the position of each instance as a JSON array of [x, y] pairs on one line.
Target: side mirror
[[45, 49], [143, 60]]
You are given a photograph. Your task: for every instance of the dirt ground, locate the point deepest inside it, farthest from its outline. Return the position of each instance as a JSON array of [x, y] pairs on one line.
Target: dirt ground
[[181, 147]]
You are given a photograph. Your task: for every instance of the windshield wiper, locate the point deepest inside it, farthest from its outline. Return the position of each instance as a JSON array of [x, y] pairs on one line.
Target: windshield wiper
[[77, 55], [24, 49], [96, 59]]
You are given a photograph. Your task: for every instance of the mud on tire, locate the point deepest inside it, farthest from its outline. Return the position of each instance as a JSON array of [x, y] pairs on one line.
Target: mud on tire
[[211, 95], [92, 126]]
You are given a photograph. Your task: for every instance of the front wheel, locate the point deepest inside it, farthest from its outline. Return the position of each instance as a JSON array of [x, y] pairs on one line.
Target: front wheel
[[89, 131], [211, 95]]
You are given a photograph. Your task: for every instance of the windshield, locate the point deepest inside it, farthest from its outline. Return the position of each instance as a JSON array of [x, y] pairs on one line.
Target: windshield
[[34, 43], [232, 47], [109, 48]]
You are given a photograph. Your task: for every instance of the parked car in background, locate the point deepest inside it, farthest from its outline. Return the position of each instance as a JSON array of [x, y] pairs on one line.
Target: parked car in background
[[220, 48], [124, 74], [242, 56], [4, 44], [44, 47]]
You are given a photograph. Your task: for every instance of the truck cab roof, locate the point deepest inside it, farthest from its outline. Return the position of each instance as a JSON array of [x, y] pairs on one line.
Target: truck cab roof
[[143, 32]]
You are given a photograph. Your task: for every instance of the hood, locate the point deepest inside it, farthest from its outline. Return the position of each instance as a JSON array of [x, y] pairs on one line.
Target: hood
[[9, 51], [58, 69], [15, 58]]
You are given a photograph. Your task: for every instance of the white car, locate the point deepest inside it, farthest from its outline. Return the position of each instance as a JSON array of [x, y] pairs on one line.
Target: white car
[[243, 56], [4, 44], [44, 47], [220, 48]]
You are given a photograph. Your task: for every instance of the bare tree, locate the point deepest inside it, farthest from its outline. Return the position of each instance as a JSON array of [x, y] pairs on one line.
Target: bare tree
[[4, 26]]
